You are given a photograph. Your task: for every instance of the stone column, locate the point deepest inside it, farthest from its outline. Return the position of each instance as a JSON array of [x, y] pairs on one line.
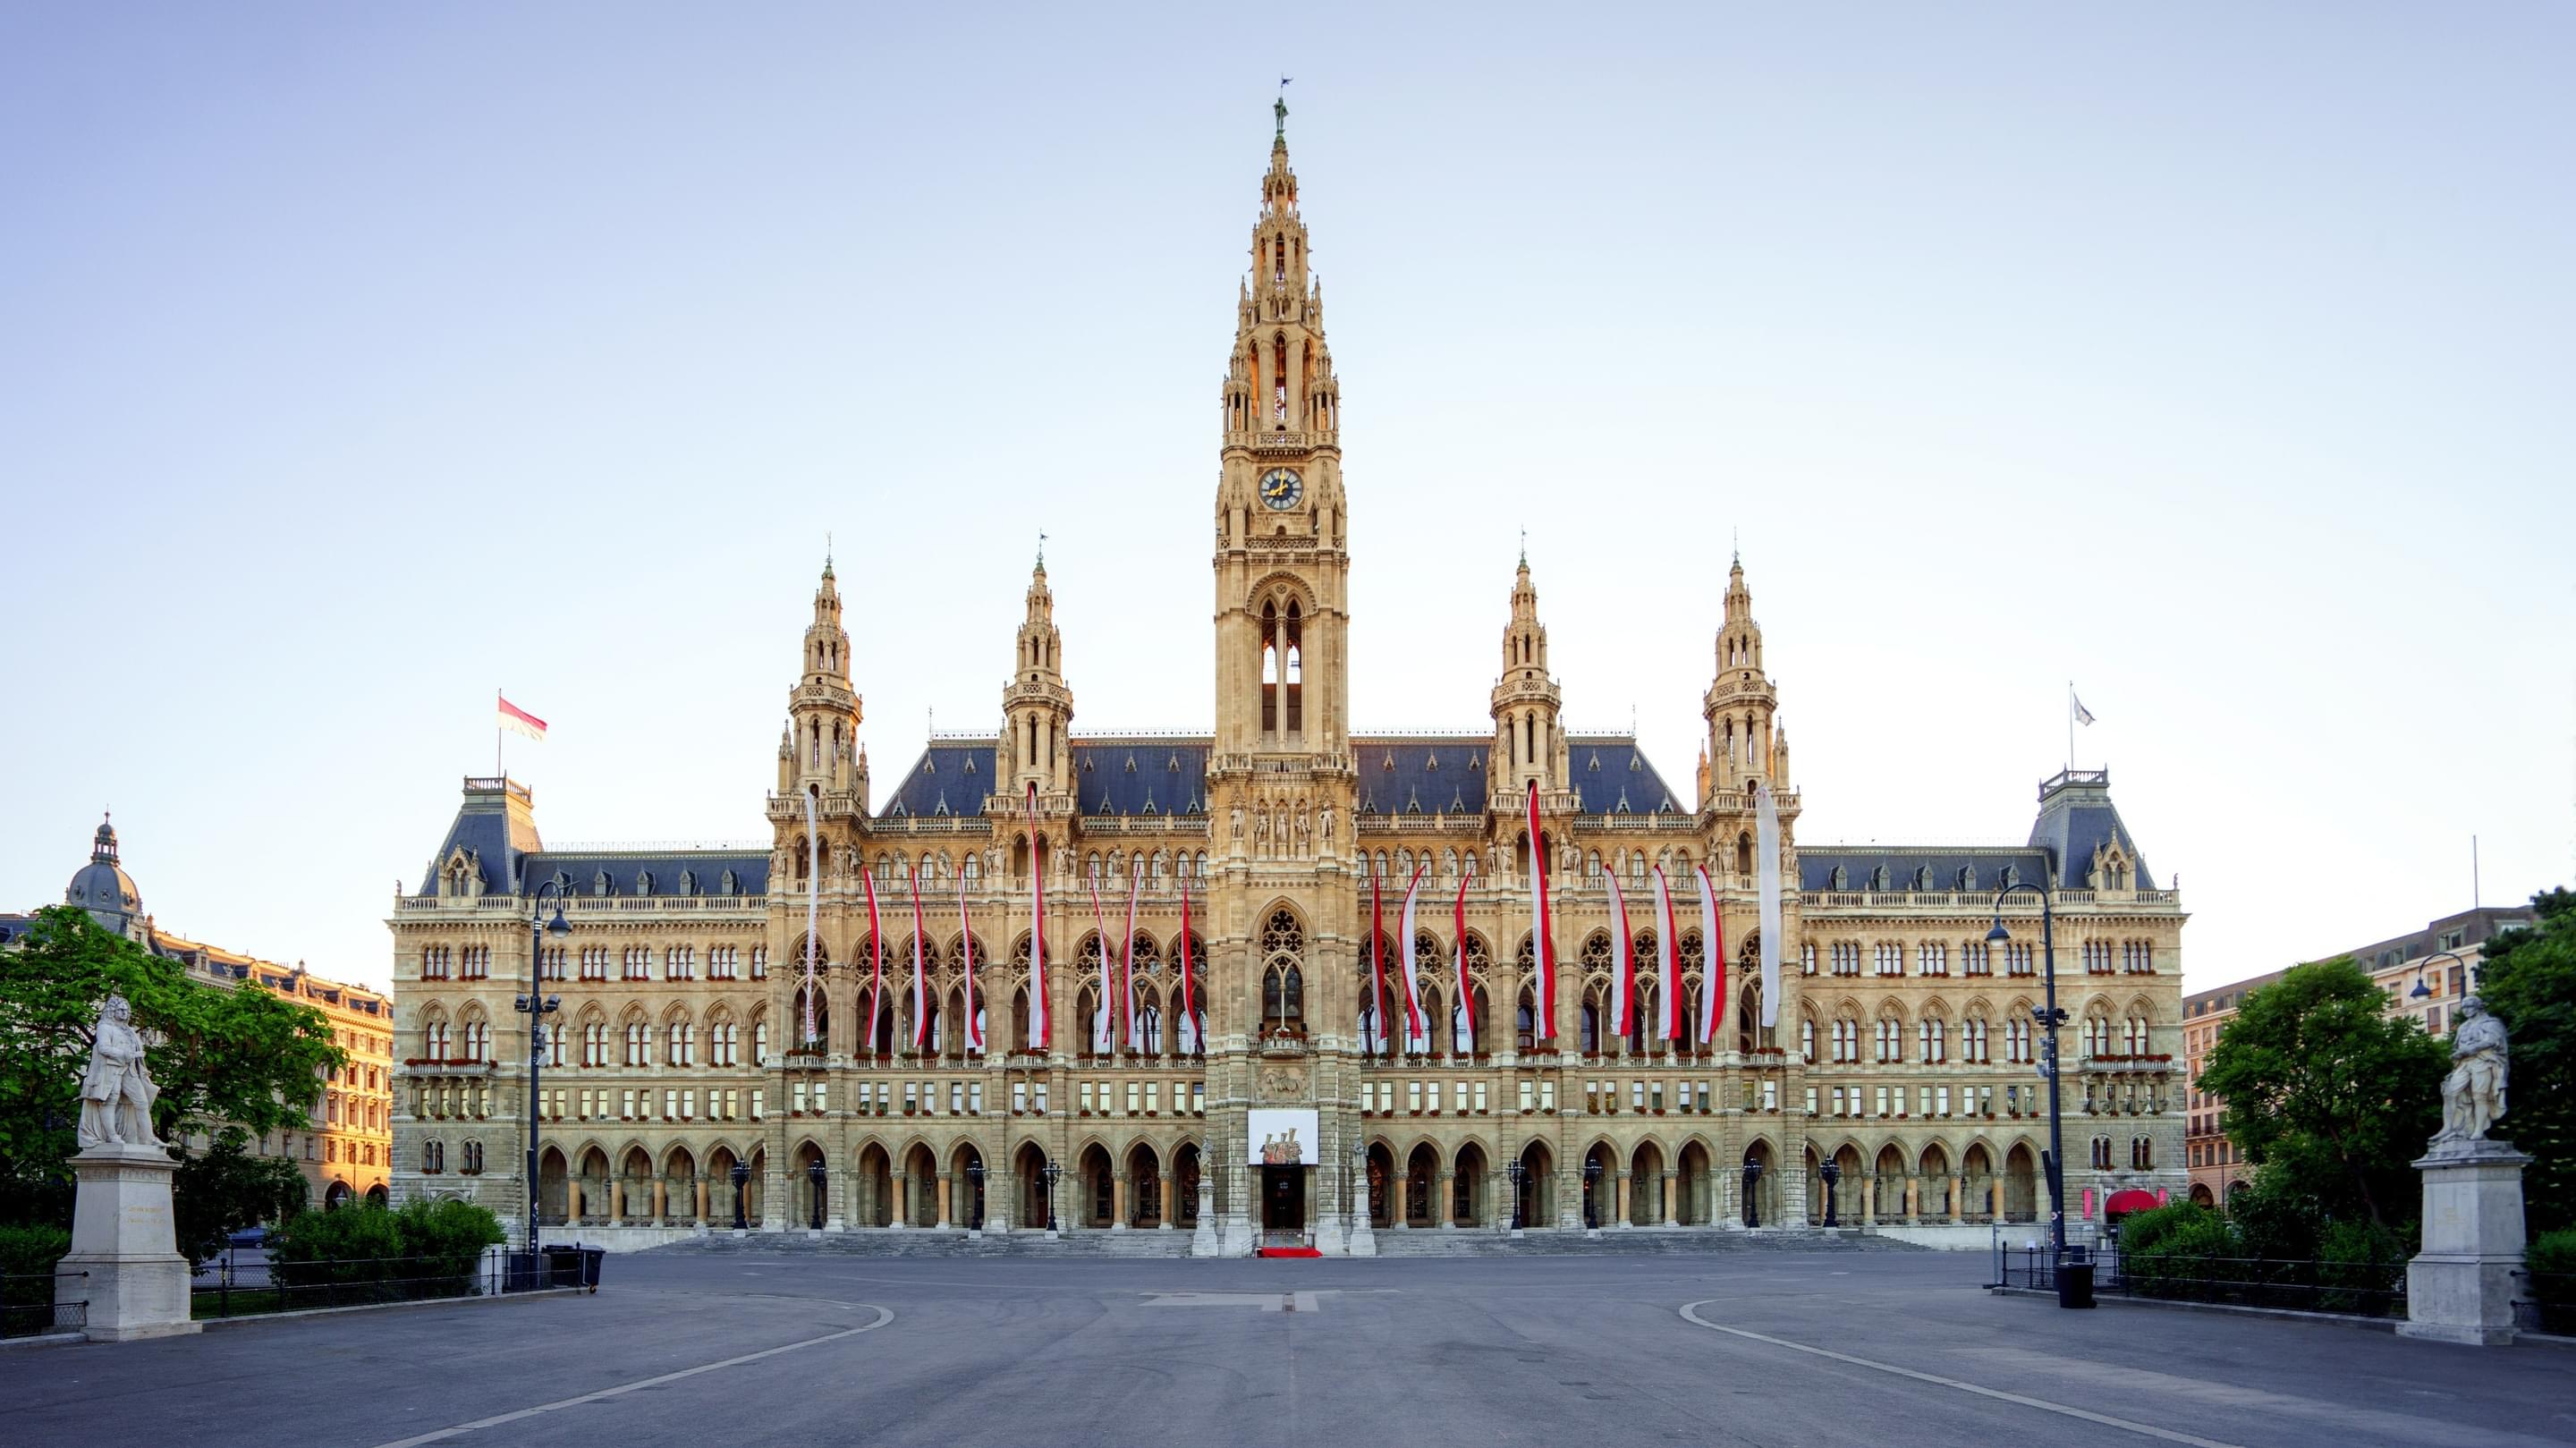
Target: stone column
[[1621, 1196], [661, 1201], [125, 1246], [1165, 1189], [903, 1200], [616, 1203], [942, 1181], [1868, 1198], [701, 1196], [1117, 1202], [1958, 1198], [1444, 1186], [572, 1201], [2460, 1287]]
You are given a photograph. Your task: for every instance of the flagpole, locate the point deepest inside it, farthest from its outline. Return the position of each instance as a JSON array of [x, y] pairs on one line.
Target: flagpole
[[497, 767], [2070, 726]]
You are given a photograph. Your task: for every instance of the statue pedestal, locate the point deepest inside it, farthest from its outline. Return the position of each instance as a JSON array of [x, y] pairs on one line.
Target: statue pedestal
[[1203, 1235], [122, 1238], [2460, 1287], [1363, 1238]]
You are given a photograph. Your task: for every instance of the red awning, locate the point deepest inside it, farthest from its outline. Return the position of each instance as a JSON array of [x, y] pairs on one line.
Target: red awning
[[2131, 1200]]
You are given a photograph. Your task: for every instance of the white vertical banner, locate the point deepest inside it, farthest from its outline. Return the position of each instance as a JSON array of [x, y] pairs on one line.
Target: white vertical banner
[[813, 905], [1767, 841]]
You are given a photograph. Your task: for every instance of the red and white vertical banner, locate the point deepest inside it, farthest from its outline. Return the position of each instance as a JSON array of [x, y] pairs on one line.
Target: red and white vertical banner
[[1542, 941], [973, 1025], [1464, 1042], [1712, 973], [1040, 1025], [1417, 1032], [876, 968], [1127, 959], [1196, 1041], [1623, 972], [920, 967], [1377, 970], [813, 906], [1102, 1039], [1668, 963], [1766, 824]]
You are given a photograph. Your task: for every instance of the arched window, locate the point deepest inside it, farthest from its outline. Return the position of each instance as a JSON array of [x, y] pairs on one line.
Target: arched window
[[1283, 985]]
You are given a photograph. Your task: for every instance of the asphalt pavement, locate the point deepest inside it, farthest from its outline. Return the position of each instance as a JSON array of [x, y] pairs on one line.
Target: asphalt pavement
[[1767, 1348]]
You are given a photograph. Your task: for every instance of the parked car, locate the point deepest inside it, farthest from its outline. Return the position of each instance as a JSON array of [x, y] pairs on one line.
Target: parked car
[[249, 1237]]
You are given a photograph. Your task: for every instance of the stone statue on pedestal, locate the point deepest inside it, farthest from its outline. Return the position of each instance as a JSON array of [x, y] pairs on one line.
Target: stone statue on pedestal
[[2473, 1094], [116, 1092]]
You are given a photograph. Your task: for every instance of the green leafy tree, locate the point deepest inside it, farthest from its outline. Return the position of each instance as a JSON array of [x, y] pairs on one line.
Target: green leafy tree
[[2330, 1092], [244, 1058], [225, 1188], [2528, 979]]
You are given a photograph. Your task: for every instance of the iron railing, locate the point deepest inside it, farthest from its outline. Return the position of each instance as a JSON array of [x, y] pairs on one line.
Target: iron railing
[[2357, 1289], [2550, 1302], [35, 1303], [227, 1289]]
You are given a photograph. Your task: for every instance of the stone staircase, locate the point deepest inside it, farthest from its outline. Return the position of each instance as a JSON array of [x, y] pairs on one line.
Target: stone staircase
[[947, 1242], [1626, 1242], [1611, 1242]]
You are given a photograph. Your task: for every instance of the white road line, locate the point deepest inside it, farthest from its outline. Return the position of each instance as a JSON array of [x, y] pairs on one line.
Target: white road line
[[884, 1316], [1690, 1314]]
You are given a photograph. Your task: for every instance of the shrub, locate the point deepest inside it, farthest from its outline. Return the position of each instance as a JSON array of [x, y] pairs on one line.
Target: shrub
[[27, 1258], [2358, 1263], [2274, 1218], [2551, 1260], [2186, 1256], [366, 1242], [2141, 1231]]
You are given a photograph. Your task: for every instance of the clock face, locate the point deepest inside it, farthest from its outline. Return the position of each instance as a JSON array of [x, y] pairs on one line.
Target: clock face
[[1281, 488]]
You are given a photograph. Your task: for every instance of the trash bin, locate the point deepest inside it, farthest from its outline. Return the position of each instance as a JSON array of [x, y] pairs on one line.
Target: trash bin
[[2075, 1277], [563, 1267], [526, 1273], [592, 1258]]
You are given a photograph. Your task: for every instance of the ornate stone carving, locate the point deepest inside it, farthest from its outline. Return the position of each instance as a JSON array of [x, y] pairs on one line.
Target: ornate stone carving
[[116, 1092], [2473, 1094]]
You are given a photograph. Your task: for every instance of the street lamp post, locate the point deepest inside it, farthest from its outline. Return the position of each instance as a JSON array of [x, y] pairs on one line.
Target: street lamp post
[[2423, 991], [1050, 1171], [741, 1195], [1592, 1193], [1832, 1172], [1515, 1171], [975, 1184], [536, 1008], [2049, 1018], [814, 1175], [1752, 1207]]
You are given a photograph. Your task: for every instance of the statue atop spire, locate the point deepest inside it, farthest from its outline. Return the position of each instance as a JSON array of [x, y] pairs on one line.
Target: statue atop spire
[[1279, 114]]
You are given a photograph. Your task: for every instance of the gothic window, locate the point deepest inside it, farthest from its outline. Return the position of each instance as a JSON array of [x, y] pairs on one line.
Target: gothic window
[[1283, 987]]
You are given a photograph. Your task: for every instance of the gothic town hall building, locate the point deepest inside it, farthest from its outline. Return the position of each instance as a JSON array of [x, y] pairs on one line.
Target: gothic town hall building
[[1902, 1055]]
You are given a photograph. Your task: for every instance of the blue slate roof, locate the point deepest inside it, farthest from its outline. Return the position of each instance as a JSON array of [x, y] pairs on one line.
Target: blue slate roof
[[513, 859], [1923, 867], [2075, 816], [670, 872], [1426, 774], [1131, 776], [1418, 774]]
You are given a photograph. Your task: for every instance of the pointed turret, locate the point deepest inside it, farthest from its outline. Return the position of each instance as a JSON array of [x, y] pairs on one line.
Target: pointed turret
[[1528, 745], [1037, 703], [1740, 703], [823, 711]]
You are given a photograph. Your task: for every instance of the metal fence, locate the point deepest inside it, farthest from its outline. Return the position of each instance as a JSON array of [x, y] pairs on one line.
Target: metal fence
[[2357, 1289], [2550, 1302], [43, 1302], [228, 1290]]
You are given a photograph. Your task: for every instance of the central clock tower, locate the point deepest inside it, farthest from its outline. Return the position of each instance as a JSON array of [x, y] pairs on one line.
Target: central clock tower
[[1282, 568]]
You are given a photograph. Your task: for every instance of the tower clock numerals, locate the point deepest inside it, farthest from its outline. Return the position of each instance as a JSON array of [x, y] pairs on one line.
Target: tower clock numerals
[[1281, 488]]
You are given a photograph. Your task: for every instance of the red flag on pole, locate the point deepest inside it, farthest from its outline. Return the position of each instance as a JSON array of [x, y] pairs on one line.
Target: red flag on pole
[[1542, 945]]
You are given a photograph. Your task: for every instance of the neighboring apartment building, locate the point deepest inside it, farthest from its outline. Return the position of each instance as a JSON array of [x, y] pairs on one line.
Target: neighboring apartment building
[[346, 1150], [2441, 960]]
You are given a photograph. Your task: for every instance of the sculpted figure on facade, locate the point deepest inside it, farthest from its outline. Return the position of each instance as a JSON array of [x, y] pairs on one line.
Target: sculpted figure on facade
[[116, 1092], [2473, 1094]]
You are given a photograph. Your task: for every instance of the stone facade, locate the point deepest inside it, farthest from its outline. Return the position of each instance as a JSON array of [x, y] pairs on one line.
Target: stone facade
[[683, 1046]]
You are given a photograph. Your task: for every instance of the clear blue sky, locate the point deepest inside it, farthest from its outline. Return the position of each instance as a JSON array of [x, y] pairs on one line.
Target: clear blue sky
[[354, 361]]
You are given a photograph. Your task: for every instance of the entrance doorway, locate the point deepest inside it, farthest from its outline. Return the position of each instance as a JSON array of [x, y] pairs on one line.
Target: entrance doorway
[[1283, 1200]]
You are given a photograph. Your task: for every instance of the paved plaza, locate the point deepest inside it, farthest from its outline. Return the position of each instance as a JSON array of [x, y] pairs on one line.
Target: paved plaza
[[1825, 1349]]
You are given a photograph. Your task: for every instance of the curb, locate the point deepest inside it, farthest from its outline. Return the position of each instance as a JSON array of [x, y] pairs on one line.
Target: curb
[[249, 1318]]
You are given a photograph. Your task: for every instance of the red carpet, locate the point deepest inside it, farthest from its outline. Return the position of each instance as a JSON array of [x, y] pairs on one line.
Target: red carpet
[[1289, 1252]]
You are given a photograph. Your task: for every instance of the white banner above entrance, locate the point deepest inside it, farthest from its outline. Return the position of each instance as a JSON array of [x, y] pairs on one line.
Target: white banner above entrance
[[1282, 1136]]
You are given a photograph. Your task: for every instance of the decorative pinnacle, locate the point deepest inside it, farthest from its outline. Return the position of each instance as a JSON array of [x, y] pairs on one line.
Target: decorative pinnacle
[[1525, 548], [827, 553], [1041, 550]]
